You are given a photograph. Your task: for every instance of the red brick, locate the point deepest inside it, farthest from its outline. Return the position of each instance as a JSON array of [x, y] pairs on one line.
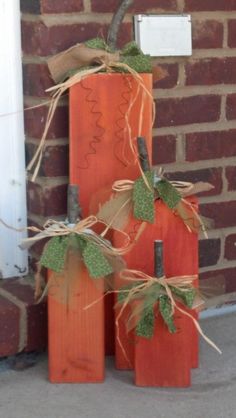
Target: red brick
[[40, 40], [163, 149], [36, 314], [125, 35], [61, 6], [229, 276], [209, 175], [209, 5], [35, 120], [222, 213], [209, 145], [231, 106], [207, 34], [171, 79], [30, 6], [209, 252], [187, 110], [51, 6], [231, 178], [139, 6], [55, 161], [36, 79], [47, 201], [10, 328], [232, 33], [230, 247], [211, 71]]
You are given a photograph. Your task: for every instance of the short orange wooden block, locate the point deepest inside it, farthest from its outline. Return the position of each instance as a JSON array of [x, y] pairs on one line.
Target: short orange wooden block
[[102, 122], [180, 258], [76, 335]]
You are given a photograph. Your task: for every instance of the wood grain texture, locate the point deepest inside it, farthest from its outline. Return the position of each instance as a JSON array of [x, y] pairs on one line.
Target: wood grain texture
[[99, 149], [167, 359], [99, 146], [76, 335], [180, 258]]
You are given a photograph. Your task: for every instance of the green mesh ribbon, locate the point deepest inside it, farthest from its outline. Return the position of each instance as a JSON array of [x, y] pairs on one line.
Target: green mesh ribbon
[[187, 297], [143, 198], [150, 297], [168, 193], [166, 312], [131, 55], [95, 261], [146, 324], [55, 251], [54, 254]]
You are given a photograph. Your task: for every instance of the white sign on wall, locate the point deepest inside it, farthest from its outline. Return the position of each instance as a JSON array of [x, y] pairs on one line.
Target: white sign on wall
[[13, 261], [164, 35]]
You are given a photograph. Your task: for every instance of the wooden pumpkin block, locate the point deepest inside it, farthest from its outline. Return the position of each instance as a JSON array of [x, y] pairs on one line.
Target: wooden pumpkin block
[[76, 335], [180, 258], [106, 112], [164, 361]]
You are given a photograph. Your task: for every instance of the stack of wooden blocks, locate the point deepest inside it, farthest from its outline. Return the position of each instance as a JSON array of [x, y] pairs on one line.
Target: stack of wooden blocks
[[102, 123]]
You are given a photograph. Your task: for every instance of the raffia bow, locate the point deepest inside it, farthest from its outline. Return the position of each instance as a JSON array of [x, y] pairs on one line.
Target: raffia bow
[[139, 196], [99, 256], [144, 293], [83, 60]]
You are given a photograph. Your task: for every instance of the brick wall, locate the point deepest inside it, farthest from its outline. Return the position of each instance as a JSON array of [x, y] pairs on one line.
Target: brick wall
[[195, 127]]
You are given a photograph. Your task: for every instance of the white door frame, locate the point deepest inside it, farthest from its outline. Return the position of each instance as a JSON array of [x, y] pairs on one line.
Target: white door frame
[[13, 261]]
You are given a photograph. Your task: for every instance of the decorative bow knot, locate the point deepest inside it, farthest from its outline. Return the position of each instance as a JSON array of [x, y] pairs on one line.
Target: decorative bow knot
[[97, 52], [166, 294]]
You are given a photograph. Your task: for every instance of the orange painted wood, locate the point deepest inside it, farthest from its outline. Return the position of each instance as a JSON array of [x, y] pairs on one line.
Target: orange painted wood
[[164, 361], [178, 243], [76, 336], [99, 146], [171, 355]]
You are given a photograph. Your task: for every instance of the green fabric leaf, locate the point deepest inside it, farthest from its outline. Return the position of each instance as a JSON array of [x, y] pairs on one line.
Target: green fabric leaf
[[166, 312], [123, 292], [139, 63], [187, 297], [131, 48], [95, 261], [96, 43], [143, 198], [54, 254], [168, 193], [146, 324]]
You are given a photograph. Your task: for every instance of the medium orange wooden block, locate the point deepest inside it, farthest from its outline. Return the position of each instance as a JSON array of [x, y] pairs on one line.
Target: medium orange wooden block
[[76, 335], [102, 122], [180, 257]]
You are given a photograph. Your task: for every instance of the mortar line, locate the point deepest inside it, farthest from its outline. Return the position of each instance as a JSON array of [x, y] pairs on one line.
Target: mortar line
[[23, 317]]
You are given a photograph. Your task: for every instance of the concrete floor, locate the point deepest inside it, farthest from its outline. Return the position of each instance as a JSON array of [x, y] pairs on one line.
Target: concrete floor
[[28, 394]]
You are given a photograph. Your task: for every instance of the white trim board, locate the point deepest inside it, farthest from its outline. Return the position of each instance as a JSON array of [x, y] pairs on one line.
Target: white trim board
[[13, 261]]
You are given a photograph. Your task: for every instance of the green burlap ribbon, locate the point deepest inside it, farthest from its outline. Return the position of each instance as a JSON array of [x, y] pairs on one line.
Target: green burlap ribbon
[[144, 196], [130, 55], [55, 252], [148, 298]]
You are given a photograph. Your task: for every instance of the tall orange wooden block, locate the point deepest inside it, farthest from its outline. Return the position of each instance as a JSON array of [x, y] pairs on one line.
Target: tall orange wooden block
[[107, 111], [180, 258], [76, 335]]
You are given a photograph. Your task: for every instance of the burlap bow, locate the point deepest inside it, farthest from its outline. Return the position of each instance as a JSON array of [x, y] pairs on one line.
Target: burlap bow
[[139, 196], [144, 293]]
